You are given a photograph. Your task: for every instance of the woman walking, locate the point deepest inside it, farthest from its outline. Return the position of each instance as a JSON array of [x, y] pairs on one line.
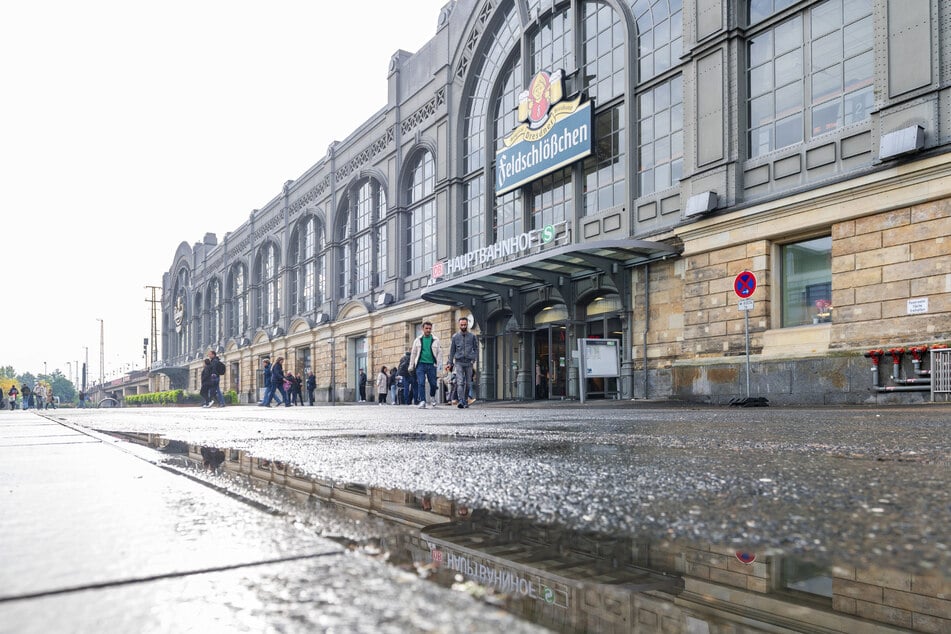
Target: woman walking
[[381, 389]]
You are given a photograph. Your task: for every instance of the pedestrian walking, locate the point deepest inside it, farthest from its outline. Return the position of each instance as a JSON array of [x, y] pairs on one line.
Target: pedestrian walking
[[268, 386], [311, 386], [463, 354], [206, 389], [391, 385], [297, 395], [362, 385], [218, 372], [425, 356], [277, 376], [381, 379], [409, 379], [12, 395]]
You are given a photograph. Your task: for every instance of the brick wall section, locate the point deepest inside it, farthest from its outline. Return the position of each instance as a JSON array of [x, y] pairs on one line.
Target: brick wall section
[[667, 296], [880, 262], [915, 602], [713, 326]]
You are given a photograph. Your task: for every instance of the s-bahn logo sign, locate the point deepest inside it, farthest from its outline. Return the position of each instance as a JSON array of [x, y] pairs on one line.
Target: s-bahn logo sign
[[553, 133]]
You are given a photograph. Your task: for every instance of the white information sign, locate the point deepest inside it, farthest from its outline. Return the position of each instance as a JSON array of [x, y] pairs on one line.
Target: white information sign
[[918, 306], [745, 304], [600, 357]]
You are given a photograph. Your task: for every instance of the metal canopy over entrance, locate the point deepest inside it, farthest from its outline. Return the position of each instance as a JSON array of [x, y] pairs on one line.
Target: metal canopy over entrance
[[568, 262]]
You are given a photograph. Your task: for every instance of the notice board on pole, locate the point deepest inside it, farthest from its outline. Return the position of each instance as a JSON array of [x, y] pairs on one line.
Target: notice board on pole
[[600, 357]]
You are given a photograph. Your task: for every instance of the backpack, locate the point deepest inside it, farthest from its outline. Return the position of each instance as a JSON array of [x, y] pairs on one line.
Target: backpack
[[219, 368], [404, 366]]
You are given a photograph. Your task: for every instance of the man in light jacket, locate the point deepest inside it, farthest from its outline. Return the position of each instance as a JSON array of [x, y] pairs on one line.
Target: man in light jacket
[[425, 356]]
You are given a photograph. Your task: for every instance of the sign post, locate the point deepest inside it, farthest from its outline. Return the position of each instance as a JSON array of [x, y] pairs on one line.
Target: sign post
[[744, 285]]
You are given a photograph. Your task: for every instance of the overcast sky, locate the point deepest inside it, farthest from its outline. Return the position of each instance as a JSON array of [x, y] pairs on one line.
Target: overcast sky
[[127, 127]]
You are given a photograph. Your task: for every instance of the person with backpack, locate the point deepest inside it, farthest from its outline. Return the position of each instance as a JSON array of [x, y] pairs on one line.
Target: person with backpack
[[217, 373], [12, 394], [207, 385]]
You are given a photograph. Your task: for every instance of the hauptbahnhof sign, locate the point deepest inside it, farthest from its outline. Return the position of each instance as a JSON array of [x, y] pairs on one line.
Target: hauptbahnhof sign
[[553, 133]]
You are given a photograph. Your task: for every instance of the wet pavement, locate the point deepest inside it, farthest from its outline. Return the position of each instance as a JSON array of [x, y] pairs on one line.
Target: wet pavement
[[864, 488], [98, 536]]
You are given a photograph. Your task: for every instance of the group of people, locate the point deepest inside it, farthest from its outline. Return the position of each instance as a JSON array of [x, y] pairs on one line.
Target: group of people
[[36, 398], [290, 387], [405, 384]]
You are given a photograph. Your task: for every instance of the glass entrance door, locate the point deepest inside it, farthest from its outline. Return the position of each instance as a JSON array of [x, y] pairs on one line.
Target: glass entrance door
[[551, 364]]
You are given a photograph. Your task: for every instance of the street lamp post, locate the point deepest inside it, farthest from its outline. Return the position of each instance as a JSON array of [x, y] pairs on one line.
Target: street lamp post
[[102, 352]]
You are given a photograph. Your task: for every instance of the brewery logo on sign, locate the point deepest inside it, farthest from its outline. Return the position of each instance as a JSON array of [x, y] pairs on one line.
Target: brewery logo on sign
[[553, 133], [179, 313]]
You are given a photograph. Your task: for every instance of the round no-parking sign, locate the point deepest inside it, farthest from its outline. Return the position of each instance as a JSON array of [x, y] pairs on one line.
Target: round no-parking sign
[[744, 284]]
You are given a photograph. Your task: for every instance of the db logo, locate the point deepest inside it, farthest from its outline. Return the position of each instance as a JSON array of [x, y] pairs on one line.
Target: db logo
[[436, 555], [438, 269]]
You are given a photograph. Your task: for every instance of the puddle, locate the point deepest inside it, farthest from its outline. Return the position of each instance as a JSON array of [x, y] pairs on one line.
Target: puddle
[[569, 580]]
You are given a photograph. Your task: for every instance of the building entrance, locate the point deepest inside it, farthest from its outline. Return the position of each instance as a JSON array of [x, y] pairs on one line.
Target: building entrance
[[551, 364], [500, 373]]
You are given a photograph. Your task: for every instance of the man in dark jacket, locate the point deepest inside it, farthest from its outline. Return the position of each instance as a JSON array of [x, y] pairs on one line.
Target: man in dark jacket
[[268, 386], [409, 379], [311, 386], [218, 370], [463, 354]]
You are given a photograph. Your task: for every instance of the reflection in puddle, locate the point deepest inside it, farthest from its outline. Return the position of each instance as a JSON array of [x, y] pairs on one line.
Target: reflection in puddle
[[572, 581]]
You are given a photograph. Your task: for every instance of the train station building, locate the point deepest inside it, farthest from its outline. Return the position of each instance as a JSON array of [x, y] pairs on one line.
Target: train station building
[[663, 175]]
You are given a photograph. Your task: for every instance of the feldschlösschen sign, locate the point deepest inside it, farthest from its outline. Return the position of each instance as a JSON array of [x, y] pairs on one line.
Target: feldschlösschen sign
[[553, 134]]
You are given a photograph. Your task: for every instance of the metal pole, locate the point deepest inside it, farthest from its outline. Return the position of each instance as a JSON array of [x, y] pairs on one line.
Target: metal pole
[[102, 351], [746, 320]]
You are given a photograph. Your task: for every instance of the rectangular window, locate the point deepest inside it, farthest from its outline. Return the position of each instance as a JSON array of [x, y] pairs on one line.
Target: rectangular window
[[605, 170], [660, 137], [809, 75], [807, 282]]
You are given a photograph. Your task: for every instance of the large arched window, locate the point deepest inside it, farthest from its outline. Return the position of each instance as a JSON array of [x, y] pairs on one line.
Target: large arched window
[[268, 285], [238, 296], [214, 310], [421, 202], [198, 319], [307, 259], [659, 105], [588, 42], [488, 67], [361, 237]]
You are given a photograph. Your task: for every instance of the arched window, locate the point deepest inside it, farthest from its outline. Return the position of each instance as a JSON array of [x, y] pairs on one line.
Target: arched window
[[198, 318], [214, 310], [421, 232], [659, 35], [488, 67], [307, 258], [361, 237], [238, 295], [268, 283], [588, 42]]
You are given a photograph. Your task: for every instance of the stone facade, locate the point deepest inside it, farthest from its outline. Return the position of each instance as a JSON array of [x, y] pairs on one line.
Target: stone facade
[[695, 178]]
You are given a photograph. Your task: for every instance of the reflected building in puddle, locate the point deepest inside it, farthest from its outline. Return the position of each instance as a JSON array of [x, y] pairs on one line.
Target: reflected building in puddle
[[572, 581]]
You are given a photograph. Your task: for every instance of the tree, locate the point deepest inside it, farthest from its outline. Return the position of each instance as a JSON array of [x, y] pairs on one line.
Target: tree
[[62, 387]]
